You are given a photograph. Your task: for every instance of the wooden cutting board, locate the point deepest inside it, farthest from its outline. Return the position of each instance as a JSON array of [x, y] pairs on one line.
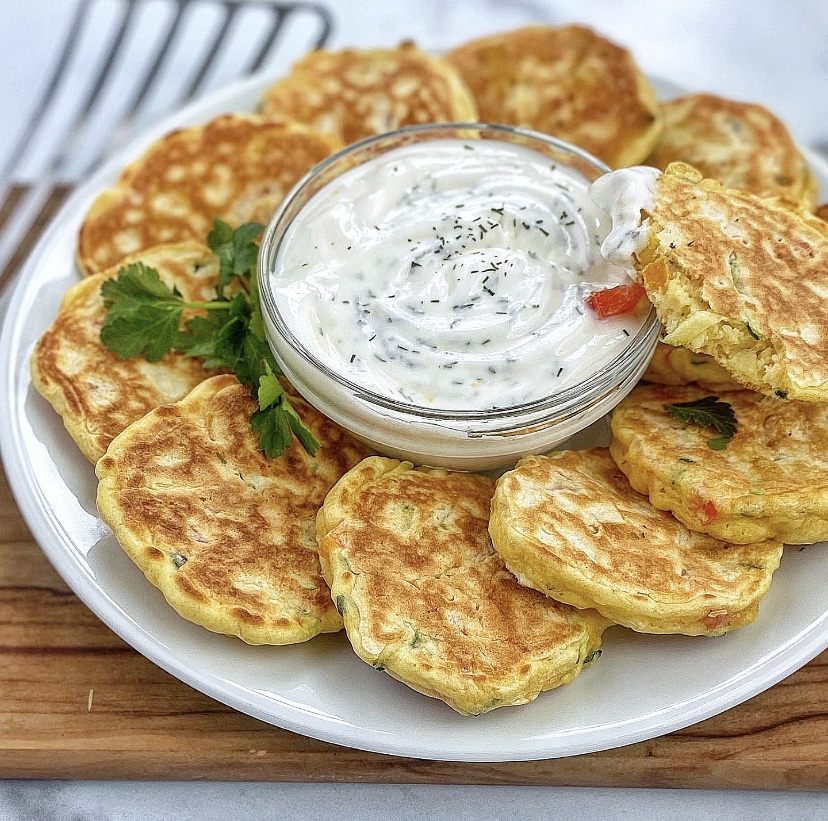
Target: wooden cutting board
[[77, 702]]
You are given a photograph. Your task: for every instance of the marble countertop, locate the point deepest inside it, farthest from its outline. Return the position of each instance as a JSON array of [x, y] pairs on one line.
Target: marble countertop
[[774, 53], [132, 801]]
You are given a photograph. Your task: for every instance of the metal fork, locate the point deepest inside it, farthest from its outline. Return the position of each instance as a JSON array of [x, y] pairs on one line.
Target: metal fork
[[76, 146]]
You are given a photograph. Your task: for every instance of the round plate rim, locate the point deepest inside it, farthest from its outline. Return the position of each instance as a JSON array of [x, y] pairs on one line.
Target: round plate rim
[[49, 534]]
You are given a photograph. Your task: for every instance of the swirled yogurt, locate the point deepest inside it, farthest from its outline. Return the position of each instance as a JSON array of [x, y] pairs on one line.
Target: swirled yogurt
[[453, 274]]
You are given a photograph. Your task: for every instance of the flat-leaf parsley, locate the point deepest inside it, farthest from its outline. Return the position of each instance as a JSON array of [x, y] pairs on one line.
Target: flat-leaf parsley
[[144, 318], [708, 411]]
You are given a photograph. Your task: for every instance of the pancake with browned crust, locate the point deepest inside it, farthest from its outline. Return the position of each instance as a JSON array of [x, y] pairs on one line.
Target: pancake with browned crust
[[96, 393], [731, 275], [672, 365], [424, 596], [769, 482], [226, 534], [568, 82], [237, 167], [354, 93], [742, 145], [570, 525]]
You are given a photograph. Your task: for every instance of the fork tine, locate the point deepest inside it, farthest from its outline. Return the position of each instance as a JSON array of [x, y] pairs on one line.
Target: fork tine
[[19, 150], [18, 224], [82, 118], [281, 13], [69, 45], [267, 41], [324, 17], [158, 61], [21, 213], [230, 11]]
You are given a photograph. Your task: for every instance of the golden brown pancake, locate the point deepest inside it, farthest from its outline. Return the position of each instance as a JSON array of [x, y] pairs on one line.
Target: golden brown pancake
[[568, 82], [769, 482], [570, 525], [673, 365], [354, 94], [424, 596], [735, 276], [226, 534], [742, 145], [237, 167], [96, 393]]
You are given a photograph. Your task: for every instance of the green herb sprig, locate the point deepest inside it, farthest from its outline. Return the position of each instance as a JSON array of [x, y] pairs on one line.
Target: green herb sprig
[[144, 318], [706, 412]]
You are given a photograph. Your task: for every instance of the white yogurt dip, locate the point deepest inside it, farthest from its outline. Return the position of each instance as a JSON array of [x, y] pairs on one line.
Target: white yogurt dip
[[624, 194], [418, 286], [453, 274]]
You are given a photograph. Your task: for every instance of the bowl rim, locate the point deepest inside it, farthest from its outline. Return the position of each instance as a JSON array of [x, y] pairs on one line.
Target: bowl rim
[[583, 393]]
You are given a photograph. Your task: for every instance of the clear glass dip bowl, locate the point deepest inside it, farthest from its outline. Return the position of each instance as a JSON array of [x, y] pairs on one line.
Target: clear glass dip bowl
[[458, 439]]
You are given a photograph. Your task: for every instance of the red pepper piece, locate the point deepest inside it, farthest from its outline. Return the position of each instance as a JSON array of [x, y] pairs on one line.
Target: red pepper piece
[[616, 301]]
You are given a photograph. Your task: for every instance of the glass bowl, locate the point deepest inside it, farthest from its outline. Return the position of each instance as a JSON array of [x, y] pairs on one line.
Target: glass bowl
[[431, 432]]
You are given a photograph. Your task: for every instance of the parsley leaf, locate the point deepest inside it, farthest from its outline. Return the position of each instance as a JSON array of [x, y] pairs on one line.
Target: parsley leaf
[[144, 318], [306, 438], [143, 314], [237, 250], [270, 390], [241, 350], [276, 417], [200, 335], [273, 431], [706, 412]]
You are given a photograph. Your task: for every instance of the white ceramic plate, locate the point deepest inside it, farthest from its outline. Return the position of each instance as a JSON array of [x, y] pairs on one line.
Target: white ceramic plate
[[642, 687]]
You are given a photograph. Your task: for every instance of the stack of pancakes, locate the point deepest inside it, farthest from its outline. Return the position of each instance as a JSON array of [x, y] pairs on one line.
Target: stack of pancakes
[[480, 592]]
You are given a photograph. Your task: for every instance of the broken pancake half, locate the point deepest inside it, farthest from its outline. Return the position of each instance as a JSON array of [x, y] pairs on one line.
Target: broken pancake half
[[730, 274]]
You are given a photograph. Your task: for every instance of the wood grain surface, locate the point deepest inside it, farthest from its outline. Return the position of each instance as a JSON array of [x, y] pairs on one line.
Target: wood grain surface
[[77, 702]]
